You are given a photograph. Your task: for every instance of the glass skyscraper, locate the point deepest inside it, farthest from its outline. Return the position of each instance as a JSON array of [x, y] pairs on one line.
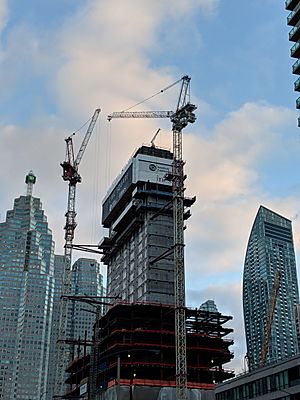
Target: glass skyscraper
[[59, 265], [26, 298], [86, 281], [270, 251]]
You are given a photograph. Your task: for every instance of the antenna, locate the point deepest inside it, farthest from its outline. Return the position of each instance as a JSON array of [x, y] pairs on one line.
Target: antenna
[[154, 137], [30, 180]]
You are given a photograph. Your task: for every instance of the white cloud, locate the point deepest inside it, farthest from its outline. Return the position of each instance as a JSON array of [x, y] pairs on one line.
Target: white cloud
[[99, 57], [106, 51], [224, 170]]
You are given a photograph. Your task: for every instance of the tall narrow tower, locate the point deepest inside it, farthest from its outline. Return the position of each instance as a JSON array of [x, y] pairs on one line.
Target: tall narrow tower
[[86, 281], [270, 251], [26, 298]]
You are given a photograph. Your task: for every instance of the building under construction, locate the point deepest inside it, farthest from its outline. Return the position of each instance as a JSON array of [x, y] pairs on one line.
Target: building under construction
[[135, 347], [78, 380], [138, 210], [150, 344], [134, 354]]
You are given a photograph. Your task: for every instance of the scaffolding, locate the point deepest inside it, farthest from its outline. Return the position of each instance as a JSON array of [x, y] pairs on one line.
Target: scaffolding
[[136, 347]]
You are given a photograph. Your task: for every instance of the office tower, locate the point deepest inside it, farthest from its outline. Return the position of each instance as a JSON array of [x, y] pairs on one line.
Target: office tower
[[138, 212], [87, 284], [209, 306], [59, 265], [26, 298], [293, 20], [86, 281], [270, 254]]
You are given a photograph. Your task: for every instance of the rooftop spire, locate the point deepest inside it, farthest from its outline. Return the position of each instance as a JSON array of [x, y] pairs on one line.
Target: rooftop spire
[[30, 180]]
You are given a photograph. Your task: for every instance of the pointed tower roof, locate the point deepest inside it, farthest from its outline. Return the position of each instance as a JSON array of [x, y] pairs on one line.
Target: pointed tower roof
[[30, 180]]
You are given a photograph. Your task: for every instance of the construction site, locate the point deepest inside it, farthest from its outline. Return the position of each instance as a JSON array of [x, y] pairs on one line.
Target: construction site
[[135, 352], [147, 344]]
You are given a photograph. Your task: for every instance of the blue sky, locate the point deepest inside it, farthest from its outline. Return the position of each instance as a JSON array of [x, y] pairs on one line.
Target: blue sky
[[61, 59]]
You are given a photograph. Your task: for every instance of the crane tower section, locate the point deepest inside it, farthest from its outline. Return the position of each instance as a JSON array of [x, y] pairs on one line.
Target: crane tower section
[[183, 115], [71, 175]]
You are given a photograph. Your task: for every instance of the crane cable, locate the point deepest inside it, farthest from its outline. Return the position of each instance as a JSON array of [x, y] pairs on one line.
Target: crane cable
[[96, 184], [82, 126], [148, 98]]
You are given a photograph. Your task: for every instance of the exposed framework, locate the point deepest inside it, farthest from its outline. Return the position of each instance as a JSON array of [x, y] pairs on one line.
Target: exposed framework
[[70, 174], [135, 343], [98, 303], [183, 115], [79, 370]]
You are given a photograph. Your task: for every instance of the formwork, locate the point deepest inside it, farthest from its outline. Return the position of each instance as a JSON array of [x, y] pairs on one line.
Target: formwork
[[135, 349]]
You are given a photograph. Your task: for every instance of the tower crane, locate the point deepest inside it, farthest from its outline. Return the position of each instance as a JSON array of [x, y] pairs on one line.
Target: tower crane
[[270, 317], [71, 175], [183, 115]]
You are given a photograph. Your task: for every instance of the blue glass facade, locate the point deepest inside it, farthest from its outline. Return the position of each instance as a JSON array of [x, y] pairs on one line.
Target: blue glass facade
[[26, 300], [270, 249], [59, 265], [86, 281]]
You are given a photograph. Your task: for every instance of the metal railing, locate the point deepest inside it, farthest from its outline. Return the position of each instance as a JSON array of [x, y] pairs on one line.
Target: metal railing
[[295, 48], [292, 13], [296, 65], [297, 84], [293, 31]]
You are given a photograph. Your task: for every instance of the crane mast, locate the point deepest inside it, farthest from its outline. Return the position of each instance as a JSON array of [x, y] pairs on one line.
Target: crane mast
[[70, 174], [270, 317], [183, 115]]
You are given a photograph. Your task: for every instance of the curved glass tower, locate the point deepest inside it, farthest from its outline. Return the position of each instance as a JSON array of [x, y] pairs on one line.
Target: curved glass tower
[[270, 249]]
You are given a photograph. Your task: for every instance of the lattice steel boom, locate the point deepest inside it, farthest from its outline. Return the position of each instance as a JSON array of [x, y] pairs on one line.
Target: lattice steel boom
[[70, 174], [141, 114]]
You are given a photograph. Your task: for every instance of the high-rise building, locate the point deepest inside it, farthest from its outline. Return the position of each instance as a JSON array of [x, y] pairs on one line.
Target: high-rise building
[[293, 20], [138, 212], [270, 252], [86, 281], [297, 316], [26, 298], [59, 265]]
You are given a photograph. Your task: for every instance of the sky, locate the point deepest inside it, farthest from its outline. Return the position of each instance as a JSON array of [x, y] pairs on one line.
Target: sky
[[62, 59]]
